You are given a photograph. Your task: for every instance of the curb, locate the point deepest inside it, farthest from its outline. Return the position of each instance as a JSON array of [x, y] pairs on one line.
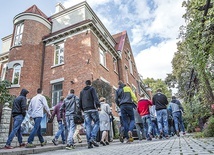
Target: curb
[[38, 149]]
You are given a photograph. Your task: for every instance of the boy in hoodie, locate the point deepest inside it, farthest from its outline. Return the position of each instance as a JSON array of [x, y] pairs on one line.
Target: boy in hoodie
[[126, 99], [18, 114], [176, 108], [69, 106], [90, 104]]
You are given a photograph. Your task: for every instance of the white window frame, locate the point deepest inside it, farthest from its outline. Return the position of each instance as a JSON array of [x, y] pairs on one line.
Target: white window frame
[[16, 69], [102, 57], [115, 64], [59, 54], [3, 72], [18, 34], [130, 62], [57, 92], [127, 75]]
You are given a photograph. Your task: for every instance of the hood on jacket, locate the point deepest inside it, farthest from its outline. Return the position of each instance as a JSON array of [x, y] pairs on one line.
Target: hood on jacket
[[87, 87], [174, 101], [24, 92], [122, 85], [69, 96]]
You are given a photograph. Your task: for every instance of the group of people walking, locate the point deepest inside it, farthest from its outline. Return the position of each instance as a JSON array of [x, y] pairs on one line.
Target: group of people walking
[[149, 116], [96, 117]]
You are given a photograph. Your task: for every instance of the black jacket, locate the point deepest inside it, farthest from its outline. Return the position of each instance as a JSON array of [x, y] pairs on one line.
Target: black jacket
[[88, 99], [160, 101], [19, 104]]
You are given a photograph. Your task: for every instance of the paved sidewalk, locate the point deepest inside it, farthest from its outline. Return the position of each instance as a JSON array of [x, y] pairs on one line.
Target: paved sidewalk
[[185, 145]]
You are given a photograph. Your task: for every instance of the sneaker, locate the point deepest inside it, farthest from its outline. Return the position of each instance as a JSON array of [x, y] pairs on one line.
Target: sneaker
[[44, 143], [30, 145], [70, 147], [184, 133], [130, 136], [55, 142], [107, 143], [128, 141], [94, 143], [90, 145], [63, 142], [161, 135], [22, 145], [177, 133], [121, 138], [80, 141], [149, 137], [8, 147], [103, 143]]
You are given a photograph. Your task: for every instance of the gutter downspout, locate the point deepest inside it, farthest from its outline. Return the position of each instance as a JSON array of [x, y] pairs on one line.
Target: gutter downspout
[[42, 67]]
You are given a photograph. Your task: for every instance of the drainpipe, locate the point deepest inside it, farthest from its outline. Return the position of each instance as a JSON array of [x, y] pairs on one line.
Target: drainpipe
[[42, 66]]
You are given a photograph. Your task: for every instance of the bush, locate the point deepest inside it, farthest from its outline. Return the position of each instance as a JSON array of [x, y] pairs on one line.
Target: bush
[[199, 135], [209, 128]]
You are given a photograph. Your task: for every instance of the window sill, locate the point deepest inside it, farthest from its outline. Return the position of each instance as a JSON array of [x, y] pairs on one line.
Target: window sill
[[105, 67], [15, 86], [16, 46], [57, 65], [116, 72]]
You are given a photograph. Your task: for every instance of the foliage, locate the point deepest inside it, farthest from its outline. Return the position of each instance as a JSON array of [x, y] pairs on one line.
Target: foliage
[[48, 101], [209, 128], [103, 90], [199, 135], [156, 84], [4, 92]]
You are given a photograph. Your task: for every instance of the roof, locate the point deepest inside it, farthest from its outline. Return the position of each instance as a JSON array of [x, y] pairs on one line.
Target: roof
[[35, 10], [120, 40]]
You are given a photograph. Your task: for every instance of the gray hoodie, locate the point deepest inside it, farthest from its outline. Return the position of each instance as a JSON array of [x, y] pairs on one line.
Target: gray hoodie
[[175, 106]]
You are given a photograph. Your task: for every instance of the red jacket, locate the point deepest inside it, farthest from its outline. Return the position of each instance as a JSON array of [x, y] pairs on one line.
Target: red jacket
[[143, 106]]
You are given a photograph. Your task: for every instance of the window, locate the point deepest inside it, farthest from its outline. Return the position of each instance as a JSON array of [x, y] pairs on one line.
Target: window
[[59, 54], [130, 63], [115, 64], [127, 75], [16, 74], [102, 58], [18, 34], [56, 93], [3, 72]]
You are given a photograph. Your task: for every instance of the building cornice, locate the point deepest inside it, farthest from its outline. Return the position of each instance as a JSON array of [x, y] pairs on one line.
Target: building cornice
[[31, 16], [4, 57]]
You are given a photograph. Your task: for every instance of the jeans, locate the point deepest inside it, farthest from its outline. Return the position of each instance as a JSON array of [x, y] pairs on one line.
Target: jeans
[[162, 118], [177, 116], [155, 130], [36, 130], [140, 132], [127, 113], [71, 127], [16, 129], [61, 131], [91, 130], [147, 125]]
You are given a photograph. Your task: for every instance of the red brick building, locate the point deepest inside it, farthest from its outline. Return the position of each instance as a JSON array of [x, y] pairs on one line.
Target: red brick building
[[61, 52]]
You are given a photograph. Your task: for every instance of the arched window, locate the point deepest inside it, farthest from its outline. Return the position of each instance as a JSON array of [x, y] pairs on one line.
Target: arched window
[[16, 74]]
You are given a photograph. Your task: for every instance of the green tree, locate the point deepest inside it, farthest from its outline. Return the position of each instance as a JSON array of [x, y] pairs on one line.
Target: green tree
[[4, 92]]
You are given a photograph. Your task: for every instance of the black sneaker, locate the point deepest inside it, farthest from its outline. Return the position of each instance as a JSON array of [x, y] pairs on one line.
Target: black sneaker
[[121, 138], [94, 143], [103, 143], [54, 141], [44, 143], [70, 147], [90, 145], [161, 135]]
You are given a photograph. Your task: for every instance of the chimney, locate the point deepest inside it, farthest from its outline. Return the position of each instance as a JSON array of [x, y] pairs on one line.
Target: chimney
[[59, 7]]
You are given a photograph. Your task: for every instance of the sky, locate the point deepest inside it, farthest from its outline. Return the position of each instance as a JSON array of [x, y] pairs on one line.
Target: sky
[[152, 26]]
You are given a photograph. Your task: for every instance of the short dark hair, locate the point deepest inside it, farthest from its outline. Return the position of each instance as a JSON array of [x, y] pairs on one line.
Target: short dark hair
[[173, 97], [39, 90], [88, 82], [159, 90], [120, 82], [72, 91]]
